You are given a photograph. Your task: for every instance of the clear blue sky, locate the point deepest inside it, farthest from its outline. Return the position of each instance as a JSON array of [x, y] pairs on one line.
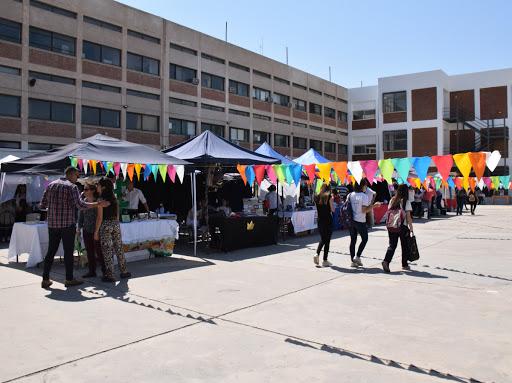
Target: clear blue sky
[[360, 39]]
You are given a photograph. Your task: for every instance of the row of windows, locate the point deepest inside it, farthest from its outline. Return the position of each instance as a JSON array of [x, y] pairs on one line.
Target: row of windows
[[31, 145], [368, 114]]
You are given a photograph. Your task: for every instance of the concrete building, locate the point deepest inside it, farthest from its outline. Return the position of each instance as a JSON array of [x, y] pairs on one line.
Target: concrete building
[[70, 69], [431, 113]]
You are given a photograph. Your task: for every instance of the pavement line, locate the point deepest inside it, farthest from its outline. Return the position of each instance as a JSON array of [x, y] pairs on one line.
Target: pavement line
[[26, 284]]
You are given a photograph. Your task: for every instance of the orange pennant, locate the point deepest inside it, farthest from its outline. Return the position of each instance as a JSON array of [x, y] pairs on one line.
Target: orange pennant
[[478, 160], [472, 183], [241, 170], [129, 169], [340, 168]]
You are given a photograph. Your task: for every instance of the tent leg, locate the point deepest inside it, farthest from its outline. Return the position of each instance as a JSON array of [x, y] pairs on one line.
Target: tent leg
[[194, 208]]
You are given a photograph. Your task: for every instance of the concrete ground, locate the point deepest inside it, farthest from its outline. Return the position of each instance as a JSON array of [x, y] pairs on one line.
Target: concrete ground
[[268, 315]]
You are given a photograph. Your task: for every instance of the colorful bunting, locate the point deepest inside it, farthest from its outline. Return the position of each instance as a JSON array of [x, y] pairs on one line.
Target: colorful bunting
[[493, 160], [296, 171], [117, 168], [402, 166], [259, 170], [154, 171], [73, 161], [421, 165], [130, 169], [171, 172], [271, 174], [147, 171], [355, 170], [488, 182], [451, 183], [241, 170], [463, 163], [288, 174], [505, 181], [369, 168], [138, 168], [180, 172], [85, 163], [249, 173], [444, 165], [124, 167], [93, 165], [310, 171], [478, 162], [340, 168], [472, 183], [386, 169], [162, 169], [324, 172]]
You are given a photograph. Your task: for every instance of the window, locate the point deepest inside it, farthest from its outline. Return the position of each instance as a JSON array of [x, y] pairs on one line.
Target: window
[[10, 145], [10, 106], [106, 88], [143, 36], [342, 149], [261, 94], [329, 96], [394, 102], [300, 125], [183, 49], [143, 64], [52, 8], [261, 74], [206, 56], [281, 99], [10, 31], [261, 117], [281, 140], [182, 73], [317, 128], [329, 112], [138, 93], [51, 111], [342, 116], [10, 70], [180, 101], [239, 135], [239, 112], [315, 91], [52, 78], [395, 140], [238, 88], [299, 86], [364, 149], [238, 66], [100, 117], [343, 133], [281, 80], [215, 129], [281, 121], [300, 143], [330, 147], [52, 41], [102, 24], [211, 81], [315, 108], [136, 121], [101, 53], [212, 107], [363, 114], [182, 127], [331, 131], [342, 101], [260, 137], [42, 147], [315, 144], [299, 104]]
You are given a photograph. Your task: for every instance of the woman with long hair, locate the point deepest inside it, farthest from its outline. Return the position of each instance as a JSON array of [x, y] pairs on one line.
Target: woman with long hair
[[401, 203], [325, 208], [108, 231]]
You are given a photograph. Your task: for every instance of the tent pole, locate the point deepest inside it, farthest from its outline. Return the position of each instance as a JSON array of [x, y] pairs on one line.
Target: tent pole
[[194, 207]]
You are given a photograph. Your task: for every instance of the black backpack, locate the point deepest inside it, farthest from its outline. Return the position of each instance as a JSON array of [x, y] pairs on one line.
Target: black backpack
[[347, 214]]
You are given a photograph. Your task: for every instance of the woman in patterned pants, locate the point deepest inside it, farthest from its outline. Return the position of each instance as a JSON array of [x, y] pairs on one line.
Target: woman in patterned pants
[[108, 232]]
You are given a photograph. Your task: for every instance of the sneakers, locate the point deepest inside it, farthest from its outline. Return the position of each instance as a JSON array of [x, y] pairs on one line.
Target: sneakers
[[326, 264], [356, 262], [316, 260], [73, 282], [46, 283], [408, 268], [89, 275], [125, 275], [385, 266]]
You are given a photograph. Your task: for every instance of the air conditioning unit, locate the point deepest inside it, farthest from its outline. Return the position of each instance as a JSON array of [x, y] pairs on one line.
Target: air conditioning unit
[[232, 89], [195, 81]]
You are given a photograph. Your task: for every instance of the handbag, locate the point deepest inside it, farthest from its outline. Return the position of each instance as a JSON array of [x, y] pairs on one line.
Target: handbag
[[414, 253]]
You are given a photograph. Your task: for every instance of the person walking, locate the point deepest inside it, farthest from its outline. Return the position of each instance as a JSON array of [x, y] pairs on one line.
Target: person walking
[[86, 227], [473, 201], [62, 200], [325, 208], [399, 225], [360, 206], [461, 197], [108, 232]]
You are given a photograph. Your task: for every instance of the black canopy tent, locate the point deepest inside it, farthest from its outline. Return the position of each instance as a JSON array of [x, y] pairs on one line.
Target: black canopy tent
[[98, 147]]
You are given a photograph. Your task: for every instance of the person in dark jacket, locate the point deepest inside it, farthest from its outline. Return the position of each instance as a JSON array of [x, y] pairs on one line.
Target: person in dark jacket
[[325, 208]]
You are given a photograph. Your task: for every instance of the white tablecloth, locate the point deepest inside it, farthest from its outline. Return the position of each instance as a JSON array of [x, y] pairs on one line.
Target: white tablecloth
[[302, 220], [33, 239]]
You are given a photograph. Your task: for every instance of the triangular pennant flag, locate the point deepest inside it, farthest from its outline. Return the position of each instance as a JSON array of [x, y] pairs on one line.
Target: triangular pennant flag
[[180, 172], [505, 181], [103, 165], [137, 168], [280, 173], [478, 162], [386, 169], [117, 168], [355, 170], [402, 166], [147, 171], [310, 171], [124, 168], [162, 169], [129, 170], [444, 165], [271, 174], [451, 183], [472, 183], [493, 160], [259, 170], [241, 170], [341, 170], [80, 164], [319, 183], [93, 165], [171, 171], [495, 182], [465, 183], [369, 168], [438, 183], [85, 163], [249, 173], [458, 182], [296, 173], [421, 165], [488, 182], [288, 174], [73, 161], [324, 171], [463, 163], [154, 171], [110, 166], [481, 184]]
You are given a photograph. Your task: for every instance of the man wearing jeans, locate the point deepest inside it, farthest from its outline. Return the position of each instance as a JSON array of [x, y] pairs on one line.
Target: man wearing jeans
[[62, 199]]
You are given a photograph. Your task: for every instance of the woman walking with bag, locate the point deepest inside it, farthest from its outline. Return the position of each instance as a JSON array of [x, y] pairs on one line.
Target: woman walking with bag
[[325, 208], [399, 225]]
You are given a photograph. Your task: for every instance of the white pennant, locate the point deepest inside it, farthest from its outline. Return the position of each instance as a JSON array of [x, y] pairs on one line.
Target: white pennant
[[481, 184], [85, 164], [180, 172], [356, 170], [124, 167], [493, 160]]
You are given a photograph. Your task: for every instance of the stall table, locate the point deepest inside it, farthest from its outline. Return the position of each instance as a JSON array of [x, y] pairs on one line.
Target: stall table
[[154, 236], [301, 220]]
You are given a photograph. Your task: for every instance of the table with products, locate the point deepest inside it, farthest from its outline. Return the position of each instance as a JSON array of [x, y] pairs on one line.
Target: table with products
[[301, 220], [139, 237]]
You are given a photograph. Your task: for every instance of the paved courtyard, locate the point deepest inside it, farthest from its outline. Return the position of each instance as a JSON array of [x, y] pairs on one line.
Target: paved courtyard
[[268, 315]]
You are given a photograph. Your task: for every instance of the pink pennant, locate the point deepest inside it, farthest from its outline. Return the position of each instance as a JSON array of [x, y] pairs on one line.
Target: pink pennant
[[117, 168], [369, 168], [488, 182], [271, 174], [171, 171], [80, 164], [433, 183]]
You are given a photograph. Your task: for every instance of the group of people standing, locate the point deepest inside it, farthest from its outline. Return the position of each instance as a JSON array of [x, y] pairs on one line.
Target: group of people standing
[[362, 202], [463, 198]]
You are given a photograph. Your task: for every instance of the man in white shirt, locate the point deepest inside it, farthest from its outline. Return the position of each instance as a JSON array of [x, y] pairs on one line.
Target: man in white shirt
[[133, 196]]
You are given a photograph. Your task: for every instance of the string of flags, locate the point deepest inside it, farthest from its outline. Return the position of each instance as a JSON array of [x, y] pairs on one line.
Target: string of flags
[[345, 172], [130, 170]]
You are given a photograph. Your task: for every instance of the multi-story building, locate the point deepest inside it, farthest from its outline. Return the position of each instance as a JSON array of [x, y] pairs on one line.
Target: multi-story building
[[431, 113], [70, 69]]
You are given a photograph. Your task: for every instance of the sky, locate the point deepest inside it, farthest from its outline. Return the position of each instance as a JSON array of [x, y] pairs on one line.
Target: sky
[[361, 40]]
